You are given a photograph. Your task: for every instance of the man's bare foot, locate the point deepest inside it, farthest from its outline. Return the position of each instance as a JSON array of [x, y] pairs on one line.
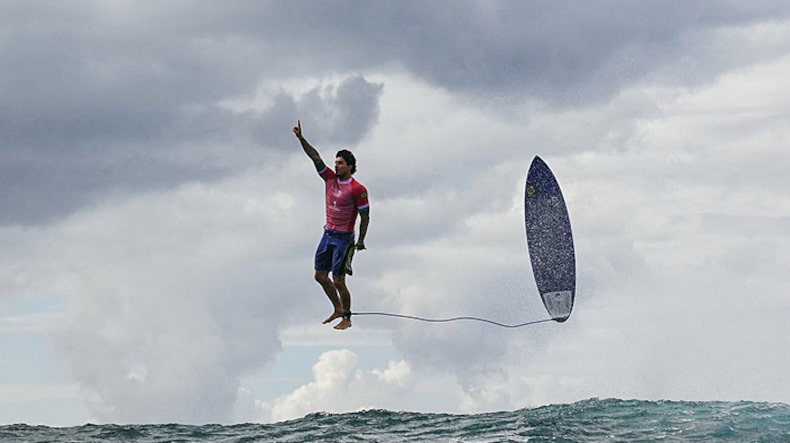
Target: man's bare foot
[[344, 324], [336, 314]]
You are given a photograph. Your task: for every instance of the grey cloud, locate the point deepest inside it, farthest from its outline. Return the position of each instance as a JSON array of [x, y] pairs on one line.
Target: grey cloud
[[167, 128], [88, 110], [347, 115], [563, 53], [100, 97]]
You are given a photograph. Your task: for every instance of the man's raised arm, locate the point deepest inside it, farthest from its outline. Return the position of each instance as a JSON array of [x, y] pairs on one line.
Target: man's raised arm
[[309, 149]]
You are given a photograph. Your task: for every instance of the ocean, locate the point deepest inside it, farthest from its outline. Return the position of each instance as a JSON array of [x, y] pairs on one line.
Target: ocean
[[594, 420]]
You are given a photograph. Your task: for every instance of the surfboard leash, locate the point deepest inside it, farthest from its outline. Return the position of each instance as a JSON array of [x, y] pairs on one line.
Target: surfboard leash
[[452, 319]]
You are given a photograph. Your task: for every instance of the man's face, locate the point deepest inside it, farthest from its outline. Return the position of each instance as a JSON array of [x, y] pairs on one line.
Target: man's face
[[342, 170]]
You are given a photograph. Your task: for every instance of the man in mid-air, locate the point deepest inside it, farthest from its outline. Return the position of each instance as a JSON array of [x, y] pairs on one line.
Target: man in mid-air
[[345, 198]]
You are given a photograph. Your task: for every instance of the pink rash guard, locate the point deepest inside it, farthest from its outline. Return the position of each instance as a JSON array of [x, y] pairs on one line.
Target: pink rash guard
[[344, 199]]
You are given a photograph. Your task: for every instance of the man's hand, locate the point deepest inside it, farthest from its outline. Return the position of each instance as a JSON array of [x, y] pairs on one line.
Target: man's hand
[[298, 129]]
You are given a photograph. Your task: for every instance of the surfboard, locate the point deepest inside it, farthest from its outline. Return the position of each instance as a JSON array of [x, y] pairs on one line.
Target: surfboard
[[550, 241]]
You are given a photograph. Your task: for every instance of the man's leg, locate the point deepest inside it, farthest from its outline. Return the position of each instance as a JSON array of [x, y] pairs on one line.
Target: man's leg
[[339, 282], [322, 277]]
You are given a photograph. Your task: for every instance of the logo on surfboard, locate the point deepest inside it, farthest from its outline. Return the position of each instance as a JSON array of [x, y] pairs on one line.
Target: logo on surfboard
[[531, 190]]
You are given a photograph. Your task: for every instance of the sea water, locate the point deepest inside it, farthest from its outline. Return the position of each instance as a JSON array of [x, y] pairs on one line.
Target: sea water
[[594, 420]]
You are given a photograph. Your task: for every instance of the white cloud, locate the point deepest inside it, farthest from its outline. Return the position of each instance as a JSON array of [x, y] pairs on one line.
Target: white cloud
[[679, 230], [172, 296], [338, 385]]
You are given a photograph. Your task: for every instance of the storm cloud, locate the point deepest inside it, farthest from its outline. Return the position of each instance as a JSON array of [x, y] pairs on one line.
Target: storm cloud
[[151, 180]]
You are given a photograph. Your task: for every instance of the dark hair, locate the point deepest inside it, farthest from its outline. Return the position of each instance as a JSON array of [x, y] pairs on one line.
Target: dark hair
[[351, 161]]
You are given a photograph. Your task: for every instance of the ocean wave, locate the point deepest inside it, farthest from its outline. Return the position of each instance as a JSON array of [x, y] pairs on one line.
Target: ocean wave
[[592, 420]]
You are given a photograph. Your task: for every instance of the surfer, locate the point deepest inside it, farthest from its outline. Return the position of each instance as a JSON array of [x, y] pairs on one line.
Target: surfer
[[345, 198]]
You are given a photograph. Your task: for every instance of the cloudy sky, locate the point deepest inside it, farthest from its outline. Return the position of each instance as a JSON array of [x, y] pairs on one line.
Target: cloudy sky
[[158, 219]]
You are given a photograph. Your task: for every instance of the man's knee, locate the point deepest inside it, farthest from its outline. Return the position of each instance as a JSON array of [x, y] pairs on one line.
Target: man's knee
[[322, 277], [339, 280]]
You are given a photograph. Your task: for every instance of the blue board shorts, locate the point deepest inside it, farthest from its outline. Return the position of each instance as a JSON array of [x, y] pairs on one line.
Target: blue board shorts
[[335, 252]]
